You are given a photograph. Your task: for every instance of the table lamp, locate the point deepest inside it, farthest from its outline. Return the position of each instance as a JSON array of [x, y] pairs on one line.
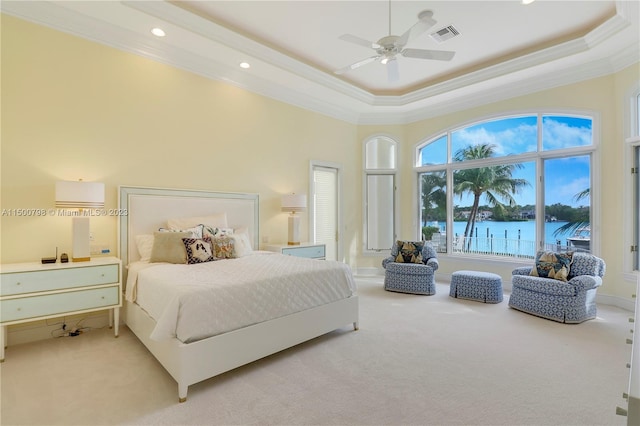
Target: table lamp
[[294, 203], [80, 195]]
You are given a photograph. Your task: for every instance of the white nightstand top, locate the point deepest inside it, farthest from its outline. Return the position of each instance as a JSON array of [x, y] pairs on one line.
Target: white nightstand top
[[39, 266]]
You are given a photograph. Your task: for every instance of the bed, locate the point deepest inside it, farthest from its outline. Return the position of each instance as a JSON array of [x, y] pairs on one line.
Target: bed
[[198, 349]]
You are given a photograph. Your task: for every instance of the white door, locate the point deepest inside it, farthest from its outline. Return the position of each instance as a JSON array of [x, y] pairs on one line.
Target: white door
[[325, 208]]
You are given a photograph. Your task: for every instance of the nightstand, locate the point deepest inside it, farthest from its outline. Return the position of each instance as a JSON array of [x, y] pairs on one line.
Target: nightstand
[[36, 291], [309, 250]]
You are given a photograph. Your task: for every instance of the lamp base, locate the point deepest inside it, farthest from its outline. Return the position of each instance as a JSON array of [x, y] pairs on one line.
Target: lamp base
[[81, 240], [294, 230]]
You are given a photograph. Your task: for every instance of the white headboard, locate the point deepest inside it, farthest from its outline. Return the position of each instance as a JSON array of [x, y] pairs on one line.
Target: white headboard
[[148, 209]]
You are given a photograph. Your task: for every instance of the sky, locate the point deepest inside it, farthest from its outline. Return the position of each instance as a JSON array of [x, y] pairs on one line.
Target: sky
[[564, 177]]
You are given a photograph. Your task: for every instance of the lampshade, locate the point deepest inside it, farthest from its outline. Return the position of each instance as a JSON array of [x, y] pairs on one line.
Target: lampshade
[[79, 195], [294, 202]]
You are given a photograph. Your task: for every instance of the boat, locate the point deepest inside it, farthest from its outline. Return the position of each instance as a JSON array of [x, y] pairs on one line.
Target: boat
[[581, 239]]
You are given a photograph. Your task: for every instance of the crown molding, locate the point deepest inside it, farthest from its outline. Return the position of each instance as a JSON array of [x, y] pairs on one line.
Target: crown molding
[[296, 83]]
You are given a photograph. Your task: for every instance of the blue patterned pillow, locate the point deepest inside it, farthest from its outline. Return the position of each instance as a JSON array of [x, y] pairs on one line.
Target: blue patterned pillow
[[199, 250], [409, 251], [552, 265]]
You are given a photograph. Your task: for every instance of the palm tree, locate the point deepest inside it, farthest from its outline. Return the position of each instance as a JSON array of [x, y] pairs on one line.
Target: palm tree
[[572, 227], [494, 182], [434, 197]]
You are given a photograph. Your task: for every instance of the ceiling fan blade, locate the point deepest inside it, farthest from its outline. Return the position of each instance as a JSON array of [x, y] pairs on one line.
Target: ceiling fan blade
[[359, 41], [357, 64], [393, 73], [438, 55], [423, 24]]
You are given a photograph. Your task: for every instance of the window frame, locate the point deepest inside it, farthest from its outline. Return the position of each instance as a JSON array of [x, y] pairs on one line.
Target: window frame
[[631, 141], [365, 190], [538, 157]]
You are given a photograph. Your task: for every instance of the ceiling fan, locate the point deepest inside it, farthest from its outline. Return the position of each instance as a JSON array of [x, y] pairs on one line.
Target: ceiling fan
[[388, 48]]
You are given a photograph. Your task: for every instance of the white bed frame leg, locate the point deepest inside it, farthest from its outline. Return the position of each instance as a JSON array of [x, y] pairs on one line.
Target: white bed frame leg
[[182, 392]]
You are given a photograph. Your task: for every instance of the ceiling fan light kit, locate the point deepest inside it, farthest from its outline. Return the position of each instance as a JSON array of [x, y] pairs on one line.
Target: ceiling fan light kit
[[388, 47]]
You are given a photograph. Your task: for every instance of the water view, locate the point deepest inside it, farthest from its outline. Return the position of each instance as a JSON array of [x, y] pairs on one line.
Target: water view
[[508, 238]]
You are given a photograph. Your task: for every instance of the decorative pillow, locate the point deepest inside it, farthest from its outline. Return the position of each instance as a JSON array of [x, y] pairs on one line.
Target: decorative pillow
[[214, 221], [210, 231], [168, 247], [223, 248], [196, 231], [552, 265], [199, 250], [144, 243], [409, 251], [241, 243]]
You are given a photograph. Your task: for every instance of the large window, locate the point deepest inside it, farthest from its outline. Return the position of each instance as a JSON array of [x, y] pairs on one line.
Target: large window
[[633, 139], [508, 186], [379, 193]]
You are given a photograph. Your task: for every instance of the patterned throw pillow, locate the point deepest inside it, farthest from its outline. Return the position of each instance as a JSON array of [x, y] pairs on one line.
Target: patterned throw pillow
[[223, 248], [199, 250], [409, 252], [552, 265], [211, 231], [196, 231]]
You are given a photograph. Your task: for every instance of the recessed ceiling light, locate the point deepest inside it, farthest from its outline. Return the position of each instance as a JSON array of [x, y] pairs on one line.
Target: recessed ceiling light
[[527, 1], [245, 65], [158, 32]]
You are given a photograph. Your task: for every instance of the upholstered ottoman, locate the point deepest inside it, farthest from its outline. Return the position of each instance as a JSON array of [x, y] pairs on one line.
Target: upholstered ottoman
[[475, 285]]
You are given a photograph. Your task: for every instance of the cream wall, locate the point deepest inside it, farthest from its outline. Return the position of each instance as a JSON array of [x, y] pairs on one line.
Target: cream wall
[[76, 109]]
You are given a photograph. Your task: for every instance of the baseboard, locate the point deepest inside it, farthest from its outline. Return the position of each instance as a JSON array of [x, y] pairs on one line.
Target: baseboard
[[617, 301], [369, 272]]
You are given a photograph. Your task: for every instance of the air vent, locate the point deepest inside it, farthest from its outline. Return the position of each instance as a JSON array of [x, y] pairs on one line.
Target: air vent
[[445, 34]]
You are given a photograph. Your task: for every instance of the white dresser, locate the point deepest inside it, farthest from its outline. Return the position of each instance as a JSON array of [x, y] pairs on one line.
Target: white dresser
[[35, 291], [309, 250]]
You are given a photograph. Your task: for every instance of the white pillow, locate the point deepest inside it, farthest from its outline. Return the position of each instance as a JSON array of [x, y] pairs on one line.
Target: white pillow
[[242, 244], [214, 221], [144, 243], [196, 231]]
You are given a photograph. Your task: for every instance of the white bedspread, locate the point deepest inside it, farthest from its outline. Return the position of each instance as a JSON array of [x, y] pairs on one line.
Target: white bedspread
[[192, 302]]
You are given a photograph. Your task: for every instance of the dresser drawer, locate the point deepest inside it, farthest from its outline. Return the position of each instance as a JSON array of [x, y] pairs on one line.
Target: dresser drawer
[[313, 252], [57, 279], [59, 303]]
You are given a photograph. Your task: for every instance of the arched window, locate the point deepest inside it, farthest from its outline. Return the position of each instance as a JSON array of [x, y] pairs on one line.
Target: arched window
[[380, 169], [508, 186]]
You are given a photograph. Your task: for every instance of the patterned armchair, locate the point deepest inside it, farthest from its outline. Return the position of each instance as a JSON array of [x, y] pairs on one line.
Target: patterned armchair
[[572, 301], [403, 274]]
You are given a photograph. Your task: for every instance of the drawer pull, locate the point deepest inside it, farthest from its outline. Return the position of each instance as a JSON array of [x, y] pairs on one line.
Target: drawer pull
[[629, 341], [18, 283], [621, 411]]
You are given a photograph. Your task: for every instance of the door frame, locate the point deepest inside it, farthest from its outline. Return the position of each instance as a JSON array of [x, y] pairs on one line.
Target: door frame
[[313, 164]]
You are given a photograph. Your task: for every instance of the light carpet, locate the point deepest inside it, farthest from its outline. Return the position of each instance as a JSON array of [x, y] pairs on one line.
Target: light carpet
[[418, 360]]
